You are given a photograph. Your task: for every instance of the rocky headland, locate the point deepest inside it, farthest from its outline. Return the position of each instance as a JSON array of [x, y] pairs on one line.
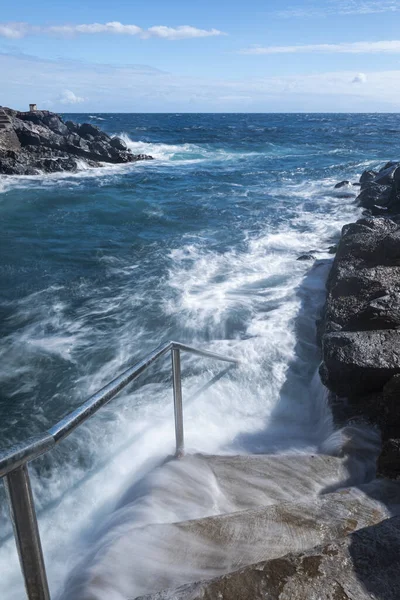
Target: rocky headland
[[360, 327], [40, 141]]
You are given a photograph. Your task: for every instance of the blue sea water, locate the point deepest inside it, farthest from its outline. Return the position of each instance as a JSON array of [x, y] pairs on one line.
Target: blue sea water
[[198, 245]]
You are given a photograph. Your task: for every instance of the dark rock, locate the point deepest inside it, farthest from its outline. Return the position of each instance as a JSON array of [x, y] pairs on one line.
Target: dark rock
[[41, 142], [332, 249], [368, 176], [386, 176], [389, 164], [71, 126], [389, 418], [28, 138], [342, 184], [118, 143], [306, 257], [389, 460], [375, 195], [360, 362], [89, 129]]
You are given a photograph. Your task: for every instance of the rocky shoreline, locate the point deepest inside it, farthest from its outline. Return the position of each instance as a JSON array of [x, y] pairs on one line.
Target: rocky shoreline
[[360, 327], [38, 142]]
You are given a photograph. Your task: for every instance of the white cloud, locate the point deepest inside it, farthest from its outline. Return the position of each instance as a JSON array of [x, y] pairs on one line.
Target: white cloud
[[68, 97], [342, 7], [180, 33], [386, 47], [13, 31], [360, 78], [19, 30]]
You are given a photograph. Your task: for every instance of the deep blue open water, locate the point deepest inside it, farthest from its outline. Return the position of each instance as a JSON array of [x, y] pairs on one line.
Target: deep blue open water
[[199, 245]]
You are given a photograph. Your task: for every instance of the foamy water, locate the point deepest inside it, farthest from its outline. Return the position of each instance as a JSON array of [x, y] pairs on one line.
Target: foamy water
[[199, 245]]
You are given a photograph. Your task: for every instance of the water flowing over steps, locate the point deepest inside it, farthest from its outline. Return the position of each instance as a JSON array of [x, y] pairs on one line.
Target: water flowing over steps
[[258, 508]]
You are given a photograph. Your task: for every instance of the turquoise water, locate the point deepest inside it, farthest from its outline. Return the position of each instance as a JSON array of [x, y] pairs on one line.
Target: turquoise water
[[199, 245]]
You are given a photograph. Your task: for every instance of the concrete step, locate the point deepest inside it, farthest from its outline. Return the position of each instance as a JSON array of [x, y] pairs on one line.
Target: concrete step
[[204, 485], [363, 566], [157, 557]]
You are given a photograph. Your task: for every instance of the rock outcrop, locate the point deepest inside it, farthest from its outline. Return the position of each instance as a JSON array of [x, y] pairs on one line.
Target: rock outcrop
[[380, 190], [360, 326], [40, 141]]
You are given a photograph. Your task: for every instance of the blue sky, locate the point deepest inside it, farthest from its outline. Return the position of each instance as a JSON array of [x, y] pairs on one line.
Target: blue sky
[[211, 56]]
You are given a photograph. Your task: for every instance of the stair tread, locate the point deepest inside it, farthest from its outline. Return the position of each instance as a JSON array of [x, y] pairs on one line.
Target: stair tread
[[172, 554], [362, 566]]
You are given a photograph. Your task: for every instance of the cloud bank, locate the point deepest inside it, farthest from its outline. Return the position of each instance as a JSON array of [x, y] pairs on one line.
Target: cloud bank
[[89, 87], [384, 47], [19, 30], [343, 7]]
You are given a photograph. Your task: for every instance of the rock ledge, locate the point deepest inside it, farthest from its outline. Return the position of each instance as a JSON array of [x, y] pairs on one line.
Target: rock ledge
[[41, 142]]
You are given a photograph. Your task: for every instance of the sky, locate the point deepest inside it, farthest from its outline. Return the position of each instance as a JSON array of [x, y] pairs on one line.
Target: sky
[[208, 56]]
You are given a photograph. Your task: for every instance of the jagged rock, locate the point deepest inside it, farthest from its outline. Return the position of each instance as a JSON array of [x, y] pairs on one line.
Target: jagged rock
[[359, 362], [306, 257], [375, 194], [391, 163], [71, 126], [381, 191], [368, 176], [389, 460], [89, 129], [118, 143], [364, 283], [386, 176], [40, 141], [342, 184]]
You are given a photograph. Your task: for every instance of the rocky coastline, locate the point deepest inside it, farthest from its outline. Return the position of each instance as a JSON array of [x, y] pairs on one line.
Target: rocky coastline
[[359, 330], [39, 141]]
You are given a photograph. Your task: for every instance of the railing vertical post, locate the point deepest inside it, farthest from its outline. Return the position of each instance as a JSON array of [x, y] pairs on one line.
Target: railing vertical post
[[26, 533], [178, 409]]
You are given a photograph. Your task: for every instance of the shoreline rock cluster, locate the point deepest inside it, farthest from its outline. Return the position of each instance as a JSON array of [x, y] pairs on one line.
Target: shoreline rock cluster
[[38, 142], [360, 326]]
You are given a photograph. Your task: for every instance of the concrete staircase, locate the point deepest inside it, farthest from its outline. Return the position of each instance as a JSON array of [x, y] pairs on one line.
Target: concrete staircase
[[4, 120], [236, 512]]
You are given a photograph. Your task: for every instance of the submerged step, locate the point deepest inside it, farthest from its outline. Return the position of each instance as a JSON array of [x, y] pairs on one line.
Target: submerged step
[[162, 556], [360, 567]]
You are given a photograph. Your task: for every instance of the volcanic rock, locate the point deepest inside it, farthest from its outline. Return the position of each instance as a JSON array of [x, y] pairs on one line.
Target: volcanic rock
[[40, 141]]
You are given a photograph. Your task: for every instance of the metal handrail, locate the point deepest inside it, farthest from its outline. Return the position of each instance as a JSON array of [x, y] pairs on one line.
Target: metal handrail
[[14, 460]]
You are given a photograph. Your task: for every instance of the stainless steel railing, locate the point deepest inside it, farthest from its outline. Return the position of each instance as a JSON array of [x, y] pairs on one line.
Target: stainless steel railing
[[14, 460]]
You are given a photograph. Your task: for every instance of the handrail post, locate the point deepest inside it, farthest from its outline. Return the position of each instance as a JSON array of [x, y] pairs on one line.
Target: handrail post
[[26, 531], [178, 409]]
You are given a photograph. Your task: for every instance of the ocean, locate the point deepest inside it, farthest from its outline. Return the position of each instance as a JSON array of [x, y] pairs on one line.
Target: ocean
[[200, 246]]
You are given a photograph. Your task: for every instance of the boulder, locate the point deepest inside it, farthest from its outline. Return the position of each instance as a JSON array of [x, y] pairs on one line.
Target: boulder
[[388, 165], [375, 194], [306, 257], [359, 362], [89, 129], [342, 184], [368, 176], [386, 176], [118, 143]]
